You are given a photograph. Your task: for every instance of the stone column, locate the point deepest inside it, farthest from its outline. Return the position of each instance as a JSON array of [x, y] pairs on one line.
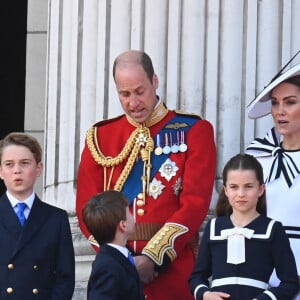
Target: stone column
[[211, 58], [70, 77]]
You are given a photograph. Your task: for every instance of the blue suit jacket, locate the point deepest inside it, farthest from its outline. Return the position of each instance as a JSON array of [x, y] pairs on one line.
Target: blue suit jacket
[[37, 260], [113, 277]]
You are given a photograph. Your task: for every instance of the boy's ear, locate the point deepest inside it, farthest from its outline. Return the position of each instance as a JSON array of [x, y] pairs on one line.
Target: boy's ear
[[39, 169], [122, 225]]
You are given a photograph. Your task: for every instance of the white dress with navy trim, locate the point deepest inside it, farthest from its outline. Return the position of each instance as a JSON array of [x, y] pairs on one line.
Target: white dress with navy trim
[[282, 176]]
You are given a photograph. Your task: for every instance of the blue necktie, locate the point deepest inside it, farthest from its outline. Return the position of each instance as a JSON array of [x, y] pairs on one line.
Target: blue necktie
[[20, 212], [131, 259]]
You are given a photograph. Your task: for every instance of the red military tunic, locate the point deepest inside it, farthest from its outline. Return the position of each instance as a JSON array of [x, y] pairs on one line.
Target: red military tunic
[[169, 216]]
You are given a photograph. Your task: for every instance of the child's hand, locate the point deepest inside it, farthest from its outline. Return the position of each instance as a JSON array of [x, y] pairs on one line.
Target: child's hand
[[215, 295]]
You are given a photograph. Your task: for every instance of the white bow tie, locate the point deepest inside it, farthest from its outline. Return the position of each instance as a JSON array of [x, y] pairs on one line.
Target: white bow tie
[[236, 243]]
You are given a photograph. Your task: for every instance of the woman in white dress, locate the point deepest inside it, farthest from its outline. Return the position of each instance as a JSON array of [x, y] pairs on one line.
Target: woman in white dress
[[279, 154]]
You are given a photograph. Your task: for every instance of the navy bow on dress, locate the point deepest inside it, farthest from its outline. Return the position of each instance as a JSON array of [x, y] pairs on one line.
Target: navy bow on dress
[[282, 162]]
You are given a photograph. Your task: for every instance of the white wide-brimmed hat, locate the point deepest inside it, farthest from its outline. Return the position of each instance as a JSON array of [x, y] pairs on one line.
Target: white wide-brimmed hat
[[261, 105]]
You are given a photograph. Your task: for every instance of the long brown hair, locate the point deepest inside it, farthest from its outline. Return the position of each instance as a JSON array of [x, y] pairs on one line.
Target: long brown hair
[[293, 80], [241, 162]]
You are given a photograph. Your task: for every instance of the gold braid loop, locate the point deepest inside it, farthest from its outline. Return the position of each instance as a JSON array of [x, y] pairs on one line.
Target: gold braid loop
[[106, 161], [139, 141], [146, 157], [150, 148], [128, 167]]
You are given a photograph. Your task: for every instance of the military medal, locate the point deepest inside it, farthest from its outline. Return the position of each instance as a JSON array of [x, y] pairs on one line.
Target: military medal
[[166, 148], [168, 169], [174, 145], [175, 148], [141, 139], [155, 188], [158, 150], [182, 146], [177, 187]]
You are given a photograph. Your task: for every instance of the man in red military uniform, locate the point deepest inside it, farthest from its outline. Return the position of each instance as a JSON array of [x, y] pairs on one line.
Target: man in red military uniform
[[164, 162]]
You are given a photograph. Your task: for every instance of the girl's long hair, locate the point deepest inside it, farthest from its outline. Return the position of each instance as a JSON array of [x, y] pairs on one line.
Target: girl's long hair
[[241, 162]]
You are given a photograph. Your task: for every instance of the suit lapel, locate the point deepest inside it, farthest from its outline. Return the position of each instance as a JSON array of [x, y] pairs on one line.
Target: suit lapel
[[36, 218], [117, 255], [8, 218]]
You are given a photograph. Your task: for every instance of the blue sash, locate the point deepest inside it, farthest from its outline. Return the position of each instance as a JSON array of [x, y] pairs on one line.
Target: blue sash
[[132, 186]]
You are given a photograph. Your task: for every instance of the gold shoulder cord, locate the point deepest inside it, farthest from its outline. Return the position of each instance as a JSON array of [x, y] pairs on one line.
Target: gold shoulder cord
[[139, 141]]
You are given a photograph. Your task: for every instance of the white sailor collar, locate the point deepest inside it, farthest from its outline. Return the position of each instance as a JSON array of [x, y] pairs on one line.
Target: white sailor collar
[[282, 164]]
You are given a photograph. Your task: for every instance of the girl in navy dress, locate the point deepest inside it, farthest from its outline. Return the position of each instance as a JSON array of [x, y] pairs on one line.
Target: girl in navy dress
[[241, 247]]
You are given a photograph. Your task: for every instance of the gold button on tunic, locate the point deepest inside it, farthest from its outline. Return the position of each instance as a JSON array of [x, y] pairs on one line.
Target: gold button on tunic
[[35, 291]]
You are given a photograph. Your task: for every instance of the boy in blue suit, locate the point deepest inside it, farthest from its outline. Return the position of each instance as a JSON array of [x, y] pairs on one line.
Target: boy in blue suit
[[113, 276], [36, 249]]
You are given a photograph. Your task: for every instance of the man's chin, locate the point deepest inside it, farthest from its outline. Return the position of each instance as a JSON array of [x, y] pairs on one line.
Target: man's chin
[[138, 119]]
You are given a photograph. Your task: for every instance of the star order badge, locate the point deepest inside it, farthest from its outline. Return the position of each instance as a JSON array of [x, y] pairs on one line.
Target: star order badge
[[168, 169], [141, 139], [155, 188]]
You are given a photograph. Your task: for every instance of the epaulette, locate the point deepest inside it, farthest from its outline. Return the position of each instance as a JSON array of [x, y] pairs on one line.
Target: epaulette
[[107, 121], [183, 113]]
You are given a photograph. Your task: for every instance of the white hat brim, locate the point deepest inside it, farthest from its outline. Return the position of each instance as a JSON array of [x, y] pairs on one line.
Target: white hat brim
[[261, 105]]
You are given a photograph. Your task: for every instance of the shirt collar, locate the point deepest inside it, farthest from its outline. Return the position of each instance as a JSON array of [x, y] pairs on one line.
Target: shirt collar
[[122, 249], [14, 201]]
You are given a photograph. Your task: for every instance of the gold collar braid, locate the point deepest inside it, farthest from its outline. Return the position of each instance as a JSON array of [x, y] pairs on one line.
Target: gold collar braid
[[140, 141], [156, 116]]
